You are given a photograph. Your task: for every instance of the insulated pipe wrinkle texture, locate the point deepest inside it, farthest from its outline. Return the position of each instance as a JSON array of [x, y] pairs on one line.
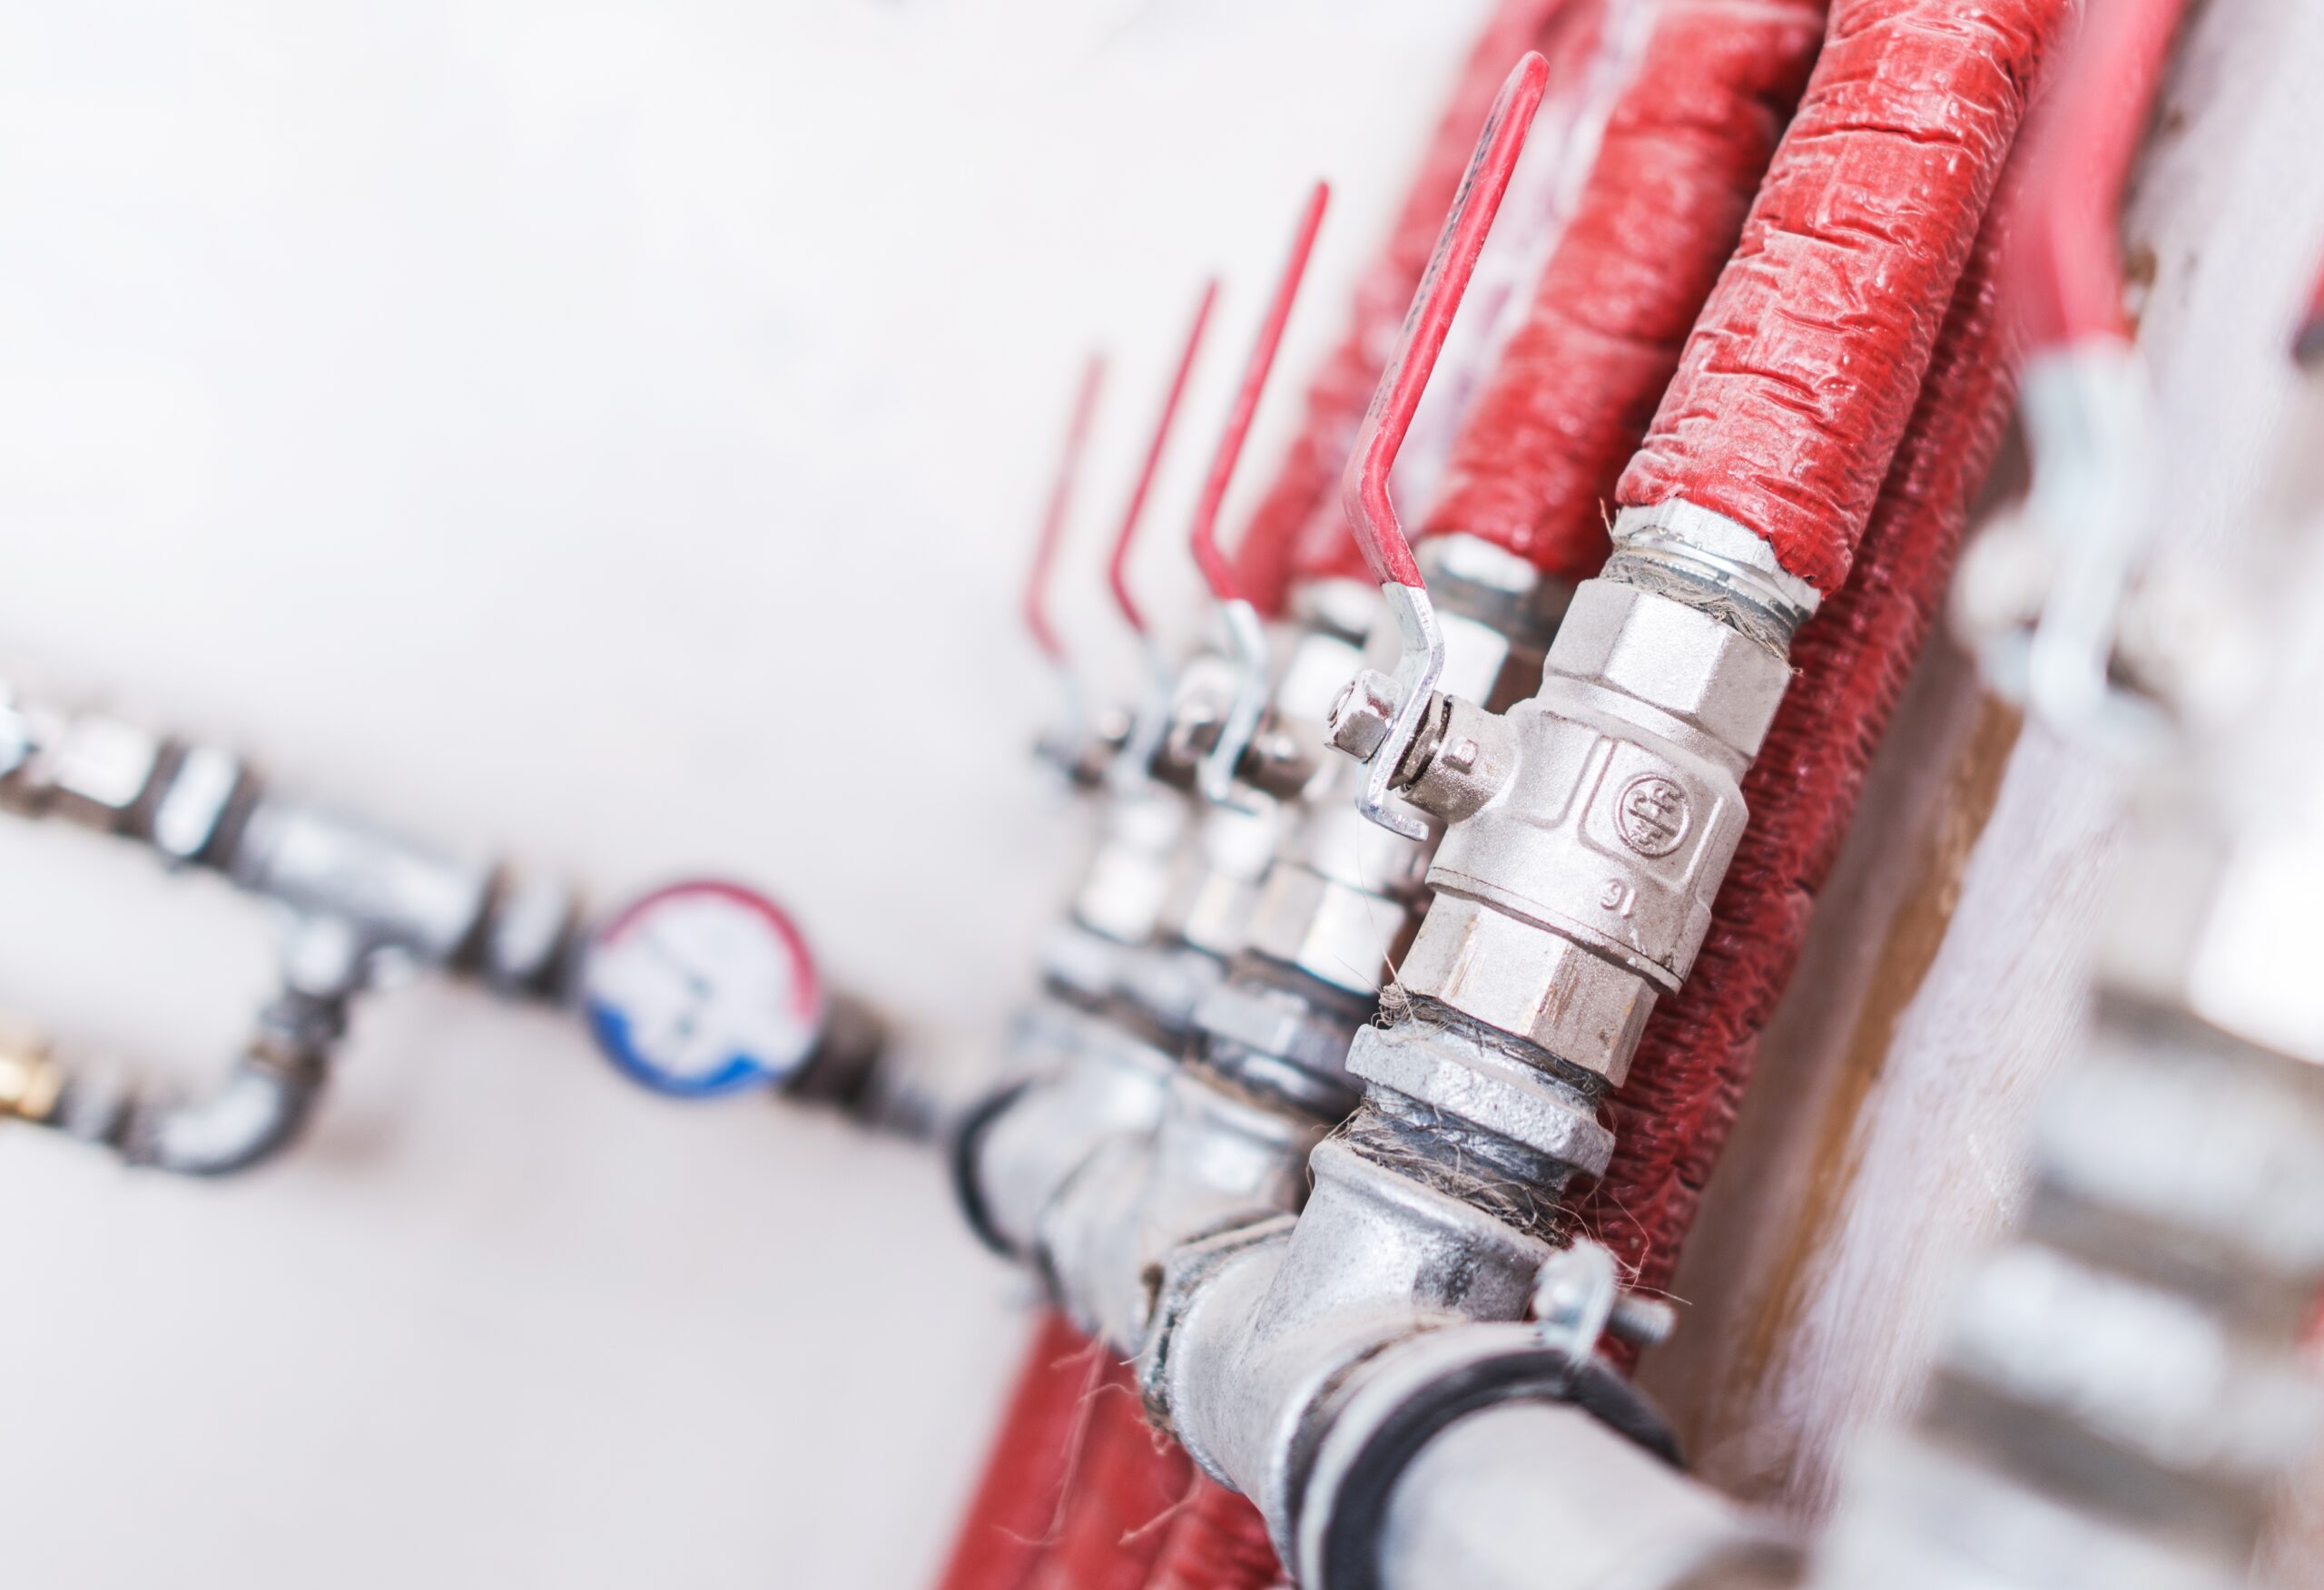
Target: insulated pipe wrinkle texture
[[1797, 384], [1278, 545], [1673, 1115], [1683, 152]]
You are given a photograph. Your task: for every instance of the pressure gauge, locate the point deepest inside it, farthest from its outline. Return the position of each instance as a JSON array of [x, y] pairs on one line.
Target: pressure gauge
[[701, 989]]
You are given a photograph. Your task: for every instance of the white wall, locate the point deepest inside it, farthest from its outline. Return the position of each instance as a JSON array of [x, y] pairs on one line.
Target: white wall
[[607, 434]]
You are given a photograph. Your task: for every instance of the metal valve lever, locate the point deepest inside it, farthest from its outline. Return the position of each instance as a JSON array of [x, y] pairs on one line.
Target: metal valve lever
[[1132, 769], [1246, 635], [1074, 744], [1384, 712]]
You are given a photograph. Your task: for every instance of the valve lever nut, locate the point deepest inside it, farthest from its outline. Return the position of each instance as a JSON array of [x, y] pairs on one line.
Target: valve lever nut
[[1360, 719]]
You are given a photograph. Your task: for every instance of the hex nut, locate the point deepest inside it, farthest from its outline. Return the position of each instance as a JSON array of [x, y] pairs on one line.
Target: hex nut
[[1362, 716], [1678, 659]]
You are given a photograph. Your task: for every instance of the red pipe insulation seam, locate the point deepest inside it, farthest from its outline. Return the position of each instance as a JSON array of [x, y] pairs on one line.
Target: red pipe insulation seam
[[1307, 479], [1681, 156], [1798, 383], [1672, 1115], [2065, 267]]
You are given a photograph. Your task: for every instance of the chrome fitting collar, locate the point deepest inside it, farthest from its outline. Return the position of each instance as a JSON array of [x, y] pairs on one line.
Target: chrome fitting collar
[[1736, 568]]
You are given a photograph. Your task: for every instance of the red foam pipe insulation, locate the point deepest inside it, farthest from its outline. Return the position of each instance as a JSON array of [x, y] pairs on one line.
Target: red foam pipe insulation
[[1127, 1486], [1218, 1542], [1799, 379], [1075, 1479], [1305, 482], [1016, 1503], [1682, 153], [1672, 1115], [2065, 268]]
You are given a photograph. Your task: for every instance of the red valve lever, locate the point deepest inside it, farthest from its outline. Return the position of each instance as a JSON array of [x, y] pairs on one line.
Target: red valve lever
[[1247, 636], [1215, 569], [1370, 512], [1115, 571], [1068, 468], [2308, 346]]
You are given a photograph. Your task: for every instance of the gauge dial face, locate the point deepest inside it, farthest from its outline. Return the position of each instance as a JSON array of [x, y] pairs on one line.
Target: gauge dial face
[[701, 988]]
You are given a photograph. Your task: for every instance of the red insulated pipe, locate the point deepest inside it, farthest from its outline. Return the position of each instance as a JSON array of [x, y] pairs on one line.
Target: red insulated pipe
[[1015, 1508], [1671, 1117], [1682, 153], [2065, 267], [1218, 1542], [1303, 488], [1079, 1490], [1798, 381], [1127, 1486]]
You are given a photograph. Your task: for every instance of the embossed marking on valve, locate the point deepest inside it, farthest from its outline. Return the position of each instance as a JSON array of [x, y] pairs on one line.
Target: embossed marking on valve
[[1652, 815]]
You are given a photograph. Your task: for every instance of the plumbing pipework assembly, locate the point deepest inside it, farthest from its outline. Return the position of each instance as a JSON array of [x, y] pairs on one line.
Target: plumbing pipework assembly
[[1375, 1351], [700, 989], [1403, 1026]]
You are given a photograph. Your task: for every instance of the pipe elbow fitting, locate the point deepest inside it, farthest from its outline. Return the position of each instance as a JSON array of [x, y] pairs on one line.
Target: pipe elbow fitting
[[254, 1115], [260, 1108]]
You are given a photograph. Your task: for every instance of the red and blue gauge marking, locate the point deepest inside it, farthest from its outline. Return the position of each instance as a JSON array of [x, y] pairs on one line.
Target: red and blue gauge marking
[[702, 989]]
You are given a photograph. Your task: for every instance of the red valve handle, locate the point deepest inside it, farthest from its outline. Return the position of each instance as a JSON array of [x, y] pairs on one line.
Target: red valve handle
[[2065, 267], [1068, 468], [1370, 514], [1216, 570], [1116, 570], [2308, 346]]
